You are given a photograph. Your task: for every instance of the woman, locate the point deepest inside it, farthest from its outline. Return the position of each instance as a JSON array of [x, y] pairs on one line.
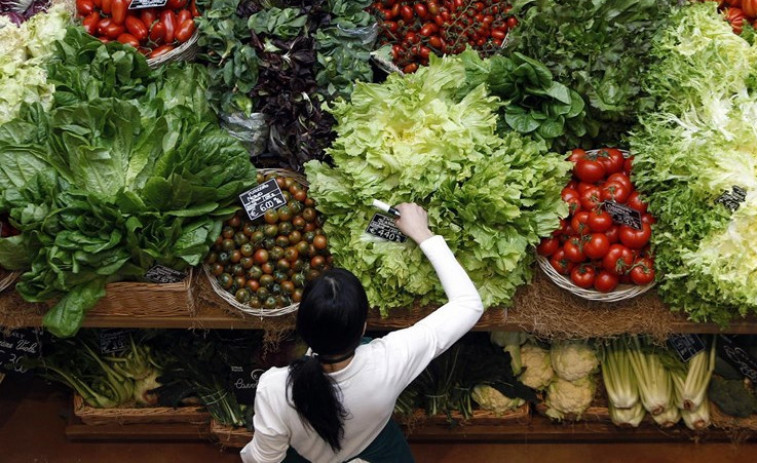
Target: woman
[[336, 404]]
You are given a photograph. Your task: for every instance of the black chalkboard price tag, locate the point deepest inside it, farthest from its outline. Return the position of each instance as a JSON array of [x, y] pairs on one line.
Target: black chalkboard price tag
[[113, 340], [623, 215], [244, 380], [140, 4], [732, 199], [265, 196], [17, 345], [686, 345], [162, 274], [730, 351], [383, 227]]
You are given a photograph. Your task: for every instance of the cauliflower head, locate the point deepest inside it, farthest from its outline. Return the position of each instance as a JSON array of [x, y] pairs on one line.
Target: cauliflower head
[[538, 371], [566, 397], [573, 360], [489, 398]]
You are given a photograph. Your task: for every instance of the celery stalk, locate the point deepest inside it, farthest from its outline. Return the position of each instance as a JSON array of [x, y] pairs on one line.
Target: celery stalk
[[617, 373]]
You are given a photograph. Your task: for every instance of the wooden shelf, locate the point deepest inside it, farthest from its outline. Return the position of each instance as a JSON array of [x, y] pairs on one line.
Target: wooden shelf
[[540, 308]]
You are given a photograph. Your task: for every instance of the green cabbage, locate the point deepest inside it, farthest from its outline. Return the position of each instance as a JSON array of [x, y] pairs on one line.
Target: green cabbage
[[414, 139], [698, 143], [23, 51]]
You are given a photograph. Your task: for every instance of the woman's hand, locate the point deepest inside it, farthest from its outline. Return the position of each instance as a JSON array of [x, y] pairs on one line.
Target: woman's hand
[[413, 222]]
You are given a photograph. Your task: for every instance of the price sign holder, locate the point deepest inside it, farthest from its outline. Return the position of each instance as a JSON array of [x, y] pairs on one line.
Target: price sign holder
[[244, 380], [734, 354], [732, 199], [17, 345], [140, 4], [113, 340], [383, 226], [162, 274], [265, 196], [686, 345], [623, 215]]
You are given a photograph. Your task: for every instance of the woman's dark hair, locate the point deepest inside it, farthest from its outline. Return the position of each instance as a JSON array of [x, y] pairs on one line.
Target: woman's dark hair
[[330, 320]]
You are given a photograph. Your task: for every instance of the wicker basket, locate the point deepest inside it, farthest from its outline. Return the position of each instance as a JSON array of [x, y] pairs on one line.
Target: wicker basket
[[192, 414], [519, 415], [229, 436], [724, 421], [7, 278], [227, 296], [620, 293], [135, 299], [184, 52]]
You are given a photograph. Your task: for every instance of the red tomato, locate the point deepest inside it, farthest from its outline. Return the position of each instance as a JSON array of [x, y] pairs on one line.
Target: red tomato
[[429, 29], [635, 202], [407, 13], [148, 17], [622, 179], [85, 7], [613, 234], [511, 22], [161, 50], [176, 4], [421, 10], [183, 15], [596, 246], [107, 29], [599, 220], [560, 263], [90, 23], [613, 191], [618, 259], [128, 39], [605, 282], [119, 9], [583, 276], [736, 3], [157, 32], [589, 171], [648, 218], [410, 68], [612, 159], [185, 30], [136, 27], [576, 154], [635, 239], [591, 198], [435, 42], [628, 165], [736, 18], [391, 26], [498, 34], [573, 249], [642, 272], [563, 225], [106, 6], [193, 9], [570, 196], [749, 7], [168, 18], [583, 186], [548, 246], [580, 223]]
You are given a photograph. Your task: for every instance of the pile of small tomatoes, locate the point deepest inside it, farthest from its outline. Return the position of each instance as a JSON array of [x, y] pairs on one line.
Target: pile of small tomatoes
[[415, 29], [152, 31], [738, 12], [589, 247], [265, 263]]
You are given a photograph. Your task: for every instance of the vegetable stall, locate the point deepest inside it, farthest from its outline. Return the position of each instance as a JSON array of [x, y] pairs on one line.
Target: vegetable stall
[[173, 174]]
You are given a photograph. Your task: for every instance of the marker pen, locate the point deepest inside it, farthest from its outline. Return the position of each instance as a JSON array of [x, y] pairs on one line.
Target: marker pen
[[385, 207]]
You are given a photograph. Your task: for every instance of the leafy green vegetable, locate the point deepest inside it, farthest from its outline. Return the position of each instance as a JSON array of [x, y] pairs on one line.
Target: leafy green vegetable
[[534, 103], [285, 23], [415, 138], [23, 51], [697, 144], [102, 189], [599, 48]]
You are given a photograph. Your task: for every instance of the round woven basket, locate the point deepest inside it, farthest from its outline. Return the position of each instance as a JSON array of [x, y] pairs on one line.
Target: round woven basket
[[184, 52], [7, 278], [227, 296]]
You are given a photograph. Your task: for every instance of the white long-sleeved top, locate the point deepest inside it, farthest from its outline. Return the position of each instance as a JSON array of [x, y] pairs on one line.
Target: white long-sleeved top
[[372, 381]]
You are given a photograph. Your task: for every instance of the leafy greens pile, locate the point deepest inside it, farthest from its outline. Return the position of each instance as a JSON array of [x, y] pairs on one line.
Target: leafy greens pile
[[23, 51], [427, 138], [103, 187], [599, 48], [698, 143]]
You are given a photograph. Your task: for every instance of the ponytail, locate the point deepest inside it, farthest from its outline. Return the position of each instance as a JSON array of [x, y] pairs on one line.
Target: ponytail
[[316, 400], [330, 319]]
